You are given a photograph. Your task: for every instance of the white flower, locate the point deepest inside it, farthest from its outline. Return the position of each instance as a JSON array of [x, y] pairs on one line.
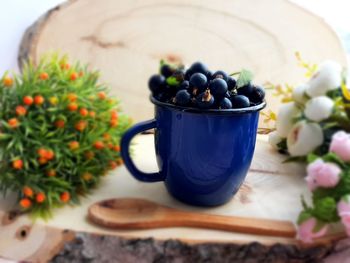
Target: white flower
[[319, 108], [304, 138], [299, 93], [328, 77], [274, 139], [286, 113]]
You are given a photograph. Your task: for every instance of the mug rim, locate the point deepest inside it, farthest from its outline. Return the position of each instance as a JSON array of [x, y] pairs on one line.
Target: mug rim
[[209, 111]]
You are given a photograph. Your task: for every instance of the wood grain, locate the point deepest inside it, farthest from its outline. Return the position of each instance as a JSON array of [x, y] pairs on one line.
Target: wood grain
[[126, 40]]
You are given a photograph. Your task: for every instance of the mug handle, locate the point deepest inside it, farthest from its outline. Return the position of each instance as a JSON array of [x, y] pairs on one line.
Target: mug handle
[[125, 144]]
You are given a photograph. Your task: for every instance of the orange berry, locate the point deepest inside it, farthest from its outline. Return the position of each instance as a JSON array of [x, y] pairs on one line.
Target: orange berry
[[89, 155], [42, 160], [42, 152], [53, 100], [13, 123], [7, 81], [112, 165], [17, 164], [99, 145], [87, 176], [92, 114], [44, 76], [72, 106], [51, 173], [74, 145], [101, 95], [81, 73], [119, 161], [49, 155], [25, 203], [116, 148], [114, 115], [80, 125], [20, 110], [110, 146], [65, 197], [28, 100], [83, 112], [72, 97], [39, 100], [59, 124], [40, 197], [65, 66], [113, 122], [27, 191], [73, 76], [106, 136]]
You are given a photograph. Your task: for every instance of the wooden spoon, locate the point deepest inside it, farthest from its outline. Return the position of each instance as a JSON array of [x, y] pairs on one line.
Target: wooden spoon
[[133, 213]]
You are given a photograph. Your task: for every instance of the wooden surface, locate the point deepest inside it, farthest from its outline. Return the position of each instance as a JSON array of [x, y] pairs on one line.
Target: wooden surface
[[136, 213], [263, 196], [126, 40]]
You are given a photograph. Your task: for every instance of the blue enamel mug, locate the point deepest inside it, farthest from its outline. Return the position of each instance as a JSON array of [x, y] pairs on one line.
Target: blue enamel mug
[[203, 156]]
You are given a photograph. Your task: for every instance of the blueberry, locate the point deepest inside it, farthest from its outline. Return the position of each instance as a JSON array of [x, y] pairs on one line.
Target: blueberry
[[179, 74], [188, 74], [240, 101], [205, 100], [182, 97], [209, 74], [166, 70], [156, 83], [245, 90], [231, 83], [171, 90], [218, 87], [220, 74], [257, 95], [184, 85], [199, 67], [163, 97], [225, 103], [198, 81]]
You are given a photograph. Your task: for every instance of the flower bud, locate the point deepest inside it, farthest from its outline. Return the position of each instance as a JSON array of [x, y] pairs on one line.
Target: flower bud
[[319, 108], [327, 78], [304, 138], [286, 114]]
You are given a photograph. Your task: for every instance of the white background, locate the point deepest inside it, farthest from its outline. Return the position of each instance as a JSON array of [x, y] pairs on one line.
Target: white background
[[17, 15]]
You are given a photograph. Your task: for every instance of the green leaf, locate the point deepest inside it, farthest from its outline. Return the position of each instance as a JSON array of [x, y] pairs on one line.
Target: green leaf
[[282, 145], [311, 157], [4, 137], [245, 77], [172, 81], [332, 157], [298, 159], [303, 216], [325, 209]]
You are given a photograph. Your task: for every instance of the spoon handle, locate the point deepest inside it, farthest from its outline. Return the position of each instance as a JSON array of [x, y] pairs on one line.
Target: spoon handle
[[256, 226]]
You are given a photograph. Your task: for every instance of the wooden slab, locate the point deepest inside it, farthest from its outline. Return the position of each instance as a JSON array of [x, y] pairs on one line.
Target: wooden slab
[[126, 40], [263, 196]]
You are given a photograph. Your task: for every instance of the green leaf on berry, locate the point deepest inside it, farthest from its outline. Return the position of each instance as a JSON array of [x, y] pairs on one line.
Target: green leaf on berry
[[245, 77], [172, 81]]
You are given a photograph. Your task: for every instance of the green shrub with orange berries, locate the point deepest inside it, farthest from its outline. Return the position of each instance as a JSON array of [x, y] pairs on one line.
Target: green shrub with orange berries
[[59, 133]]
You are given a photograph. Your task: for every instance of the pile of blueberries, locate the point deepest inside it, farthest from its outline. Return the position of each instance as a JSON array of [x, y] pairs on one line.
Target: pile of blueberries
[[198, 87]]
